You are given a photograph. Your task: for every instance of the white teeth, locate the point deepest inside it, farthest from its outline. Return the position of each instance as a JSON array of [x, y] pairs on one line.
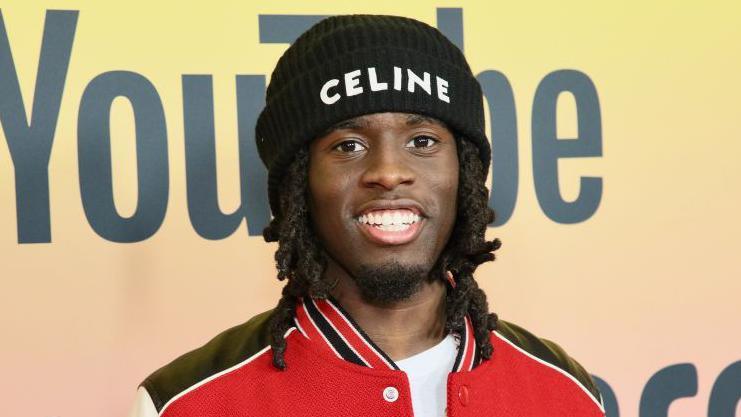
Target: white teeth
[[390, 219], [398, 219], [394, 227], [387, 220]]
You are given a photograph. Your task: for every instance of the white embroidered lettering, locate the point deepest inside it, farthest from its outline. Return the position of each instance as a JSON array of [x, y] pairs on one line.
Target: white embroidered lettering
[[422, 82], [325, 89], [442, 89], [374, 84], [397, 78], [352, 83]]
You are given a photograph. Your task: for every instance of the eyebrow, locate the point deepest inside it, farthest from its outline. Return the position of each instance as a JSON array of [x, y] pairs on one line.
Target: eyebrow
[[416, 119]]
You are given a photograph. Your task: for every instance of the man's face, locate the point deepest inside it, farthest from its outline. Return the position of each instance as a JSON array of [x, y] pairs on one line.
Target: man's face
[[383, 191]]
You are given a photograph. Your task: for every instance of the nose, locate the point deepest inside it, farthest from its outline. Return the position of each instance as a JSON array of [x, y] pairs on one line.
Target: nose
[[387, 168]]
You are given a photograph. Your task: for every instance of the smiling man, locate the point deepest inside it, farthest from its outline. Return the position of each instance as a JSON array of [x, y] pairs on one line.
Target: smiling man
[[373, 136]]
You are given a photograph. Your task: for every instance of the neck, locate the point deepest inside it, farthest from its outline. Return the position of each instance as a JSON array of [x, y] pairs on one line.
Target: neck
[[403, 328]]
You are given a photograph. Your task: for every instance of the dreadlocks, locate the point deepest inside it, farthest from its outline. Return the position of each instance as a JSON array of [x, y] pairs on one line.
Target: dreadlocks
[[301, 261]]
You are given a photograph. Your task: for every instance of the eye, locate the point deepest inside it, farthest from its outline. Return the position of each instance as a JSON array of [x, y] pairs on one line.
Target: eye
[[349, 146], [422, 141]]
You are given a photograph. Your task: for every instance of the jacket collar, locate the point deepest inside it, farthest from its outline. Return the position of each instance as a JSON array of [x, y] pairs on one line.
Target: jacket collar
[[325, 321]]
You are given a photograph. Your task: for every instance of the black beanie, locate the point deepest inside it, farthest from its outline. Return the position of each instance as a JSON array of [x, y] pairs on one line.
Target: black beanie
[[351, 65]]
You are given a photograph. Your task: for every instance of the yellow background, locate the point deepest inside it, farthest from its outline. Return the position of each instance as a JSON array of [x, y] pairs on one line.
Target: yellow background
[[650, 280]]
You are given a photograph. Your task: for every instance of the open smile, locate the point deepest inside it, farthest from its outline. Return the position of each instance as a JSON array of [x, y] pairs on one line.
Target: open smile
[[390, 227]]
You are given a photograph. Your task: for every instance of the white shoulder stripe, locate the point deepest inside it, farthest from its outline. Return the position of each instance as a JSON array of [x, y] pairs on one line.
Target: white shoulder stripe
[[218, 374], [550, 365]]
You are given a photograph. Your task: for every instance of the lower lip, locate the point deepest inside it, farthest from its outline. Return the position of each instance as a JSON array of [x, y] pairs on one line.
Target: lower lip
[[387, 237]]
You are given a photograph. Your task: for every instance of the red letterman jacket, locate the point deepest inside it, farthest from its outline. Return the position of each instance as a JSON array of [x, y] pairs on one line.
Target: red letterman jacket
[[335, 369]]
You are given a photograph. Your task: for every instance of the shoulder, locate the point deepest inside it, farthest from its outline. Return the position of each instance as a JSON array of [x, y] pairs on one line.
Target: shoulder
[[229, 348], [548, 353]]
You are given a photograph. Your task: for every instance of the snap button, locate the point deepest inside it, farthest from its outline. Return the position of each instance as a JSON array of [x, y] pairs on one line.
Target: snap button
[[463, 395], [390, 394]]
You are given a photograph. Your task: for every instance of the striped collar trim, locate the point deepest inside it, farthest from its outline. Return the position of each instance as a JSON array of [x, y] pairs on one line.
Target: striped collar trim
[[326, 321]]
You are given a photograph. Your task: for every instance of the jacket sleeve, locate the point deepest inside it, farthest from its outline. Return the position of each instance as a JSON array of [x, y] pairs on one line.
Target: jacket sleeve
[[574, 368], [548, 351], [143, 405]]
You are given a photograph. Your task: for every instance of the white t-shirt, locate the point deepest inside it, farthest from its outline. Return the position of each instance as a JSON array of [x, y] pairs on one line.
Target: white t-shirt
[[428, 377]]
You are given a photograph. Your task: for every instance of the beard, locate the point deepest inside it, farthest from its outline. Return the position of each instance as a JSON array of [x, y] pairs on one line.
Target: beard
[[389, 282]]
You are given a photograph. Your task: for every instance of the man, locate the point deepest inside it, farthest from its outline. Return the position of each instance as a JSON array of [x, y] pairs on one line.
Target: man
[[373, 135]]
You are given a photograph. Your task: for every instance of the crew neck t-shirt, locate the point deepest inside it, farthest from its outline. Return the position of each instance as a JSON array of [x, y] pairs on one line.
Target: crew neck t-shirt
[[428, 372]]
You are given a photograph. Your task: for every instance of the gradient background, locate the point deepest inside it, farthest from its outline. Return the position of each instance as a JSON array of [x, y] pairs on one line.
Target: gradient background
[[650, 280]]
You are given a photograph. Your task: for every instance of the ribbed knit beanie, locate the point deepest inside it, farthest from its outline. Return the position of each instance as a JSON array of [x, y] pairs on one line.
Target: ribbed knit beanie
[[351, 65]]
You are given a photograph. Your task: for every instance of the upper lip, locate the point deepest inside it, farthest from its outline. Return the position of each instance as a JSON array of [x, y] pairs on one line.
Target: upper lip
[[402, 203]]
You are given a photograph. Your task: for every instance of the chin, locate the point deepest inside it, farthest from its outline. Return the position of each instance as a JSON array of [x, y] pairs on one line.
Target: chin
[[390, 281]]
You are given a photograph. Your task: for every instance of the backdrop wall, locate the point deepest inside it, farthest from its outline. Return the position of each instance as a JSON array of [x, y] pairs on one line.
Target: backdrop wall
[[132, 199]]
